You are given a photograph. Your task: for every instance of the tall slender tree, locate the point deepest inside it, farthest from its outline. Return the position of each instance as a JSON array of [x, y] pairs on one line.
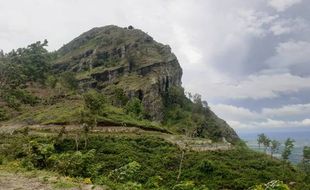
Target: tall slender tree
[[261, 139], [288, 147], [274, 148]]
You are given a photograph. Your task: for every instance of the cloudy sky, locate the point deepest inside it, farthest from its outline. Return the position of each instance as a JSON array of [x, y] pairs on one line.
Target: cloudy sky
[[250, 59]]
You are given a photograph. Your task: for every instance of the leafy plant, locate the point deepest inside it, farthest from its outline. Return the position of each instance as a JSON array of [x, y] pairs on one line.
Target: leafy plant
[[125, 173], [272, 185], [135, 108], [3, 114]]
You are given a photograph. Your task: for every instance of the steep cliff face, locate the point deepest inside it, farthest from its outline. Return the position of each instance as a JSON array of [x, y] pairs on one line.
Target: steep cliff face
[[125, 57]]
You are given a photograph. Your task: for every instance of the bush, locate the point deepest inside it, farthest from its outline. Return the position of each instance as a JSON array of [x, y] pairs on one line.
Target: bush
[[135, 108], [75, 164], [51, 81], [119, 97], [69, 81], [206, 166], [132, 186], [3, 114], [272, 185], [13, 102], [154, 182], [186, 185], [25, 97], [125, 173], [94, 102], [38, 153]]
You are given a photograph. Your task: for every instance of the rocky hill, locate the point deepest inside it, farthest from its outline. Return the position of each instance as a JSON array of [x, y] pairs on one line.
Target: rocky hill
[[126, 58], [131, 60], [123, 64]]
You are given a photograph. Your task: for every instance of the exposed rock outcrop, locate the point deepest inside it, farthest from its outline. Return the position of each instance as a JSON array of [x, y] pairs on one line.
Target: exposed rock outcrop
[[127, 58]]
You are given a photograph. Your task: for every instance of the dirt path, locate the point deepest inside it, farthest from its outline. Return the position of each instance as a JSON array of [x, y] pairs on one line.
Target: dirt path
[[14, 180]]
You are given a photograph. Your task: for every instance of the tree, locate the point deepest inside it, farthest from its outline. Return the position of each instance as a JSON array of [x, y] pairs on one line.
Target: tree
[[306, 153], [305, 164], [288, 147], [94, 103], [266, 144], [34, 60], [274, 148], [198, 105], [261, 139], [11, 75]]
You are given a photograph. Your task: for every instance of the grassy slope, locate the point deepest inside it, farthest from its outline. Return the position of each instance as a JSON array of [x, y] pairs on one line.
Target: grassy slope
[[68, 112]]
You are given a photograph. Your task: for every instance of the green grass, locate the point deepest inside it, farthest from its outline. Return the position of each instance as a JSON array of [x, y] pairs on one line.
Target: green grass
[[60, 113], [68, 112], [64, 185]]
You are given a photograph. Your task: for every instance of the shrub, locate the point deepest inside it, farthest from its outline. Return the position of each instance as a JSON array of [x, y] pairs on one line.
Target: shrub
[[272, 185], [74, 164], [25, 97], [132, 186], [135, 108], [69, 81], [186, 185], [3, 114], [206, 166], [94, 102], [125, 173], [39, 153], [154, 182], [51, 81], [119, 97], [13, 102]]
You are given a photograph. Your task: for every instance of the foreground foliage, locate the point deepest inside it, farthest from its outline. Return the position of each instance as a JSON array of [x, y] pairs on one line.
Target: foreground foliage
[[144, 162]]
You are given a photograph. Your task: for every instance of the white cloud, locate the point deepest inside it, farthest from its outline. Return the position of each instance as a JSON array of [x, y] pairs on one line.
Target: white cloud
[[286, 26], [287, 110], [282, 5], [306, 122], [230, 112], [239, 125], [269, 124], [254, 87], [255, 22], [242, 118], [290, 53]]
